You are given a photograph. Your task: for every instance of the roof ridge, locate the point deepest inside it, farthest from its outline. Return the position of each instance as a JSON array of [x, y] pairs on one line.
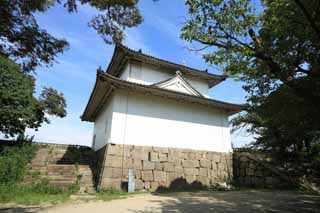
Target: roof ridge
[[174, 63]]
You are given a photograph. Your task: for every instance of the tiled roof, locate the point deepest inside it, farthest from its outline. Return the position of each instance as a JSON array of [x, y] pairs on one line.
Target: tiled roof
[[106, 84], [122, 53]]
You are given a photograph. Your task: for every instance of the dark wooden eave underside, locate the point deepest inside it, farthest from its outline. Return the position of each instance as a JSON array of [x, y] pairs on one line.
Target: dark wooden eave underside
[[122, 54], [106, 84]]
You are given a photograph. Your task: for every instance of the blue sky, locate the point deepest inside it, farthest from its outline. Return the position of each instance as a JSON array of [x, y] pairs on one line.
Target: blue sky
[[74, 72]]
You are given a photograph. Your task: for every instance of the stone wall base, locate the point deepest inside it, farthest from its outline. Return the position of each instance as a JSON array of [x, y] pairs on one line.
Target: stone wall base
[[157, 167]]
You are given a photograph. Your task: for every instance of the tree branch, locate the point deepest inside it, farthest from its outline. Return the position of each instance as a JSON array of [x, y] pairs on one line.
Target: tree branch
[[308, 16]]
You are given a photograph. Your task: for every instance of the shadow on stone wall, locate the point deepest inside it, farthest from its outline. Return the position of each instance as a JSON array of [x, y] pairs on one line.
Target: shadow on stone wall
[[181, 184]]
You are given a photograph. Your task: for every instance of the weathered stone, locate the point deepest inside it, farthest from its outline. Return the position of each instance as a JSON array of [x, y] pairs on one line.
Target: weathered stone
[[128, 163], [192, 156], [154, 156], [159, 176], [147, 165], [190, 163], [213, 173], [203, 180], [113, 161], [184, 155], [168, 167], [140, 155], [111, 172], [137, 164], [147, 148], [171, 158], [203, 172], [190, 178], [138, 184], [199, 155], [172, 176], [205, 163], [137, 174], [158, 166], [178, 169], [147, 175], [161, 149], [163, 157], [154, 185], [221, 166], [147, 185], [216, 158], [111, 183], [191, 171], [115, 150]]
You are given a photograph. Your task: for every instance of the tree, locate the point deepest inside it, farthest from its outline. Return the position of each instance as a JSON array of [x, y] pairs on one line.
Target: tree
[[24, 41], [24, 46], [274, 47], [19, 109]]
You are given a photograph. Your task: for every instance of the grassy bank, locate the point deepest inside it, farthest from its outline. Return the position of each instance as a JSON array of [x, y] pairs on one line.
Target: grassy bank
[[32, 194]]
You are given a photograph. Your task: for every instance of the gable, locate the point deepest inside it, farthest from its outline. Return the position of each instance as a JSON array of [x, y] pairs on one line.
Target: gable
[[179, 84]]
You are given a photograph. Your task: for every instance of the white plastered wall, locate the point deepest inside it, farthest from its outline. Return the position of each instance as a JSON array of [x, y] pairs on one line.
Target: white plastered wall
[[102, 125], [153, 121], [148, 74]]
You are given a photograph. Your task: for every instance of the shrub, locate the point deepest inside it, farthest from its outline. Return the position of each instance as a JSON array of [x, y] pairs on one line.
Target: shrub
[[14, 161]]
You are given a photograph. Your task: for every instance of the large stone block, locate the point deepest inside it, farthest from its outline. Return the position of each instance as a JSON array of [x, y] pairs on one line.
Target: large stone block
[[205, 181], [113, 161], [214, 165], [172, 176], [147, 148], [191, 171], [205, 163], [111, 183], [163, 157], [138, 184], [161, 149], [140, 155], [168, 167], [171, 158], [154, 156], [154, 185], [137, 174], [147, 175], [178, 169], [158, 166], [190, 178], [111, 172], [160, 176], [128, 163], [190, 163], [137, 164], [148, 165], [203, 172], [215, 157], [213, 173], [115, 150], [192, 155]]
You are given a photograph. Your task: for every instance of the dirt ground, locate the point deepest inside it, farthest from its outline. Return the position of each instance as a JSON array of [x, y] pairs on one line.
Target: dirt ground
[[236, 201]]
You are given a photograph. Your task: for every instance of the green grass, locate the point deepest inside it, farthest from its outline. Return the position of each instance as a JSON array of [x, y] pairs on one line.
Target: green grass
[[32, 194], [112, 194]]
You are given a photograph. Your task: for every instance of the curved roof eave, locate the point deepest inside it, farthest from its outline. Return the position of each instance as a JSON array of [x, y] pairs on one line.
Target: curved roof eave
[[97, 98], [121, 52]]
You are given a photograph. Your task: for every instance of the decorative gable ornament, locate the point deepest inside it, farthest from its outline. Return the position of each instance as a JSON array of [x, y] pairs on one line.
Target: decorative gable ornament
[[178, 83]]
